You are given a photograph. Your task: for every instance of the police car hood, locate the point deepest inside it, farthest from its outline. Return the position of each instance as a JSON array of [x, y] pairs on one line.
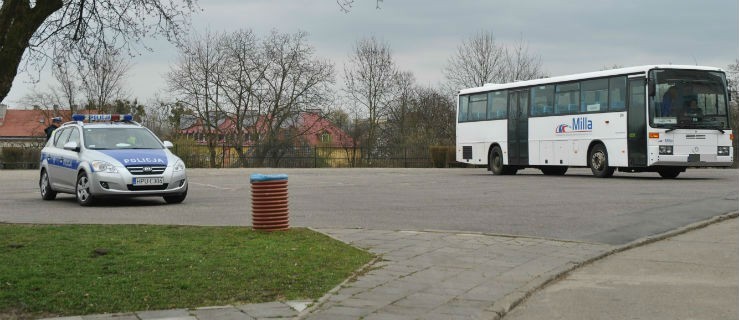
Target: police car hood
[[141, 157]]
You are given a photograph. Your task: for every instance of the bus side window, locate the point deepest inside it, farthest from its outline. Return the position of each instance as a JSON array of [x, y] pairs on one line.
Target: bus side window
[[463, 103], [617, 94], [594, 95], [542, 100], [498, 105]]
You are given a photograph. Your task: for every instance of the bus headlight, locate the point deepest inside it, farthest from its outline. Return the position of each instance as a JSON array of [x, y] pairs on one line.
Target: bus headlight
[[667, 150], [723, 150]]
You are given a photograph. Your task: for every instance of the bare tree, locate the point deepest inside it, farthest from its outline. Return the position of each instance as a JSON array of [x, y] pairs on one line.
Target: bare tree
[[262, 86], [733, 86], [370, 78], [295, 81], [102, 78], [480, 59], [242, 84], [33, 31], [69, 84], [194, 81], [396, 131], [520, 64]]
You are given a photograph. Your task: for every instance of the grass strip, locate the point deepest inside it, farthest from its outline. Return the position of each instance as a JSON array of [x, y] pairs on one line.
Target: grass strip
[[89, 269]]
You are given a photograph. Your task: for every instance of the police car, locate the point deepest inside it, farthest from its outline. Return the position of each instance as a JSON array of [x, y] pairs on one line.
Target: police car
[[109, 155]]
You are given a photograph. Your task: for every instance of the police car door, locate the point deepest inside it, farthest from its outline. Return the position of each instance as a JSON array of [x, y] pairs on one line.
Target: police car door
[[71, 159], [56, 159]]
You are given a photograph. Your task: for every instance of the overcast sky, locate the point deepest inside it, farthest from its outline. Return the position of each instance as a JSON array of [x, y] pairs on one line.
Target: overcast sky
[[571, 36]]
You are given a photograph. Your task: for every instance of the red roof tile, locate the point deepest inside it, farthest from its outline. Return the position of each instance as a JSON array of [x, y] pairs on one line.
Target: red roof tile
[[28, 123]]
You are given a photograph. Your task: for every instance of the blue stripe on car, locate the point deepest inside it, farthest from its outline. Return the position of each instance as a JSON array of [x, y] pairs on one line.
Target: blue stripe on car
[[130, 157]]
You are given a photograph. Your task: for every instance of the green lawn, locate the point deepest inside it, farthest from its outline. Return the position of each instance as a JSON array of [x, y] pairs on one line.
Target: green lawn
[[54, 270]]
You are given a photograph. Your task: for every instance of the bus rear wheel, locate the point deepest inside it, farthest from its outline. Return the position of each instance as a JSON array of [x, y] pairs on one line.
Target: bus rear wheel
[[496, 163], [598, 162]]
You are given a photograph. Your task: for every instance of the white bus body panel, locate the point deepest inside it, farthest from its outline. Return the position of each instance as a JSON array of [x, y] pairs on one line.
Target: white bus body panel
[[685, 142], [564, 140], [480, 136]]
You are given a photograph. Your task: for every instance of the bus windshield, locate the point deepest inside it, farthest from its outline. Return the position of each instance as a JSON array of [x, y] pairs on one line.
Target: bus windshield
[[688, 99]]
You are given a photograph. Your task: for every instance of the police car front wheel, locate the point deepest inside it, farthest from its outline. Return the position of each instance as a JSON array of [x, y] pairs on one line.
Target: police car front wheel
[[84, 197], [176, 198]]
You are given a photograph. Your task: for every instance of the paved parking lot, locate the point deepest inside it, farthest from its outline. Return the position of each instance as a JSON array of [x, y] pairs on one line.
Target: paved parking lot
[[573, 207]]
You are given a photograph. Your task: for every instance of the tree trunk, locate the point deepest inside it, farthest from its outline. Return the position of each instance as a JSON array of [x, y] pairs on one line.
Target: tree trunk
[[18, 23]]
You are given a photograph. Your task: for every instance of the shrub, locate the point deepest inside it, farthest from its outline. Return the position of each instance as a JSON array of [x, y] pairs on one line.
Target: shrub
[[442, 156]]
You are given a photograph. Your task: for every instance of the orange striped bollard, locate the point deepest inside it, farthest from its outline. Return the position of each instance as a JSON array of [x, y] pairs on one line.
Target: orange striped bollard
[[269, 202]]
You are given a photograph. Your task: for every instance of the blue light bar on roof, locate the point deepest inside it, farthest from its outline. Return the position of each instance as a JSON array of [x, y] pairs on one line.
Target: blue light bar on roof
[[102, 117]]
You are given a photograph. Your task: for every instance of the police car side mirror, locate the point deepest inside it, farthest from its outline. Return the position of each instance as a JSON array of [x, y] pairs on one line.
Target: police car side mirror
[[72, 146], [168, 145]]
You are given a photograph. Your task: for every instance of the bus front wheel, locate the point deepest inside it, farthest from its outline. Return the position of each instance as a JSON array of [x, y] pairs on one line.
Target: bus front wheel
[[496, 163], [598, 161]]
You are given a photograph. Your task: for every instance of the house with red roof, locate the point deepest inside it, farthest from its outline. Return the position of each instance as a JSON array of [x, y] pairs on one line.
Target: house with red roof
[[311, 129], [26, 127]]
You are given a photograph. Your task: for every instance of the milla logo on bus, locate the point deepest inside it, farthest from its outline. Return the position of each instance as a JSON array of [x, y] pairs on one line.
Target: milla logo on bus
[[579, 124]]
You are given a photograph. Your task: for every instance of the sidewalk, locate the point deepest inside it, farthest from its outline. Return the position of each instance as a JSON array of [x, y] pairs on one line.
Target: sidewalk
[[690, 276], [446, 275]]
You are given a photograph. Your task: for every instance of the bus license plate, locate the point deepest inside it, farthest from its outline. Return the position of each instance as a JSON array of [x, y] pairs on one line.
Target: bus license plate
[[148, 181]]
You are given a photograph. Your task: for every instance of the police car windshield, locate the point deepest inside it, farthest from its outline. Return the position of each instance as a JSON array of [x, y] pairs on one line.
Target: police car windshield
[[120, 138]]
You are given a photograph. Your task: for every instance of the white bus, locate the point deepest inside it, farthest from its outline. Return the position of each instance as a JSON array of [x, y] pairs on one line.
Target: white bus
[[662, 118]]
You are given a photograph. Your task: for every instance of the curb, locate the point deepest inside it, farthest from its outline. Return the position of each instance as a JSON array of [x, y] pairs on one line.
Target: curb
[[318, 303], [501, 307]]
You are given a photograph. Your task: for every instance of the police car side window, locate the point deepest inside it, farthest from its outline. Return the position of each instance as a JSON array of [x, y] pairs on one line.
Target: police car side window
[[74, 136], [63, 137]]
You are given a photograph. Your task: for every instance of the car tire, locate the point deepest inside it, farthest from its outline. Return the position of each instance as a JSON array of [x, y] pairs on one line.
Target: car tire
[[176, 198], [82, 190], [47, 193]]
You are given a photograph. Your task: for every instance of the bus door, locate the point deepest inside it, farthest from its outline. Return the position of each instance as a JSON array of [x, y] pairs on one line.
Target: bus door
[[518, 128], [637, 123]]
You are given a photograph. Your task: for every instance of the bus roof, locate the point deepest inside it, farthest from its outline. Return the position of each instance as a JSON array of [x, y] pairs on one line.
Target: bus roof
[[581, 76]]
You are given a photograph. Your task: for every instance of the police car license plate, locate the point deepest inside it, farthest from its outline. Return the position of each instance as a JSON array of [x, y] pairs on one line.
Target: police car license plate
[[148, 181]]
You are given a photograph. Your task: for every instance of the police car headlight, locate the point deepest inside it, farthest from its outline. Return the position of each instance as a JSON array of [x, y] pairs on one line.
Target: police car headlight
[[103, 166], [179, 166]]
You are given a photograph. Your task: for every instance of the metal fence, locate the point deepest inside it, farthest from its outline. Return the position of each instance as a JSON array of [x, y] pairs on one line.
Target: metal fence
[[198, 156]]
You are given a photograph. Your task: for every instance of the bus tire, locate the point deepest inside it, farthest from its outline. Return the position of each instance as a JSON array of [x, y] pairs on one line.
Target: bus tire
[[598, 162], [669, 173], [554, 170], [496, 163]]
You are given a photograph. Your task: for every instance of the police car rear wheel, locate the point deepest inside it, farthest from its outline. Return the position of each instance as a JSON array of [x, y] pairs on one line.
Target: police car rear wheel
[[84, 197], [46, 192], [177, 198]]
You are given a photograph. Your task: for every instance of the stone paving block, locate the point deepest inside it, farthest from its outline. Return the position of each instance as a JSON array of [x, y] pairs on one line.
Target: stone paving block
[[423, 300], [356, 312], [164, 314], [107, 316], [227, 313], [416, 312], [268, 310], [361, 303], [389, 316], [65, 318]]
